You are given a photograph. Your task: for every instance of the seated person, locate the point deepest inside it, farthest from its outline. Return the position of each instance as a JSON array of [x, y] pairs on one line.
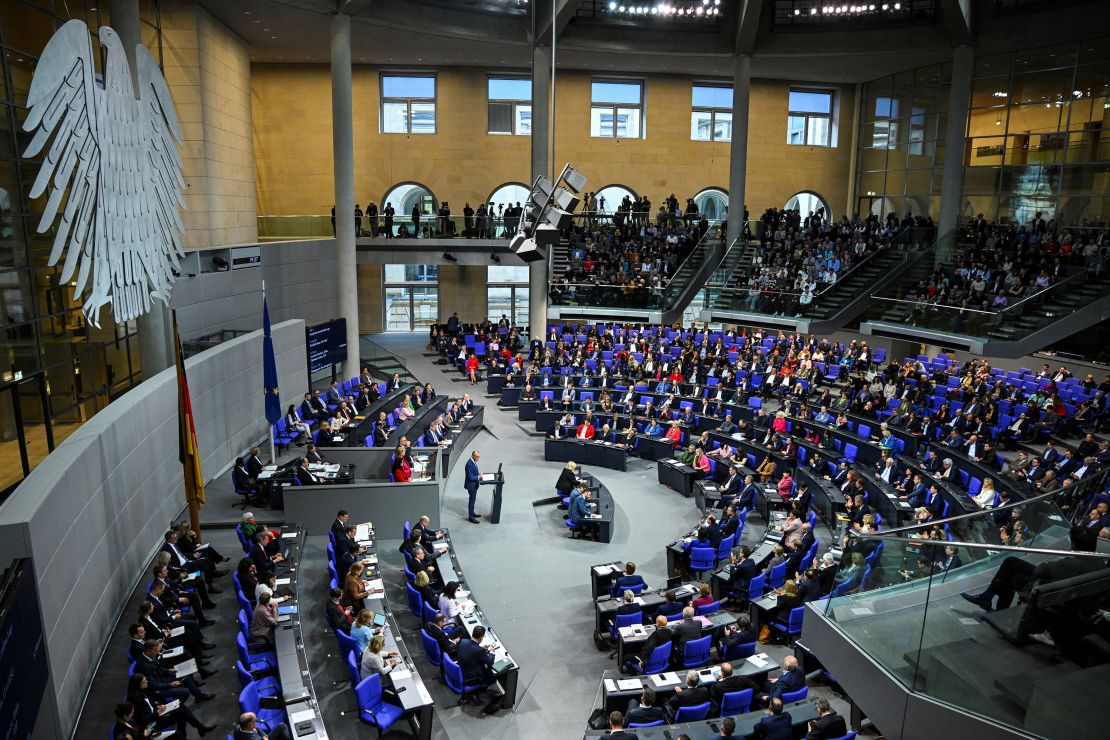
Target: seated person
[[689, 695], [629, 580], [642, 710], [777, 725], [704, 598], [792, 679], [579, 512], [437, 630]]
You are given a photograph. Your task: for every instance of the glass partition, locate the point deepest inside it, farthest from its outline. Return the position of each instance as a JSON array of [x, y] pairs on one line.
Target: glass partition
[[1015, 589]]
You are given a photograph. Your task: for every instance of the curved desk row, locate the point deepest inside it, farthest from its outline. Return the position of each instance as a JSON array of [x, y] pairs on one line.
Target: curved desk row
[[505, 669], [586, 452], [294, 678], [617, 691], [603, 509], [801, 713], [412, 694], [461, 436]]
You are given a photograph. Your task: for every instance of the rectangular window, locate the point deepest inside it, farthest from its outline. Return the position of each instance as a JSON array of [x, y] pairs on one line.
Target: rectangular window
[[408, 104], [885, 134], [809, 120], [510, 106], [616, 109], [711, 113]]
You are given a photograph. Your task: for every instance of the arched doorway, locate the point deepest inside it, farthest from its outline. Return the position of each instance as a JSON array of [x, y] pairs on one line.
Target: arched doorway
[[712, 203], [610, 196], [403, 196], [501, 198], [807, 202]]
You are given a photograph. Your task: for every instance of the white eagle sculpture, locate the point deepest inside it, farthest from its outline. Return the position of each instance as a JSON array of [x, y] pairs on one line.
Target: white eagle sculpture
[[116, 157]]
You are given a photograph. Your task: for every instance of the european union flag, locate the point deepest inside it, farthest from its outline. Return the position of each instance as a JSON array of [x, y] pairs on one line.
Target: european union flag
[[269, 369]]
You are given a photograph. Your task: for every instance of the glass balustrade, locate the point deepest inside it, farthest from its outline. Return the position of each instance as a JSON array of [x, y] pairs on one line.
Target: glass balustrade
[[1029, 661]]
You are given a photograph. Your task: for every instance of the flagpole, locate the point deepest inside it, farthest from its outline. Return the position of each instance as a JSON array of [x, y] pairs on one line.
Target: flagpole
[[273, 449]]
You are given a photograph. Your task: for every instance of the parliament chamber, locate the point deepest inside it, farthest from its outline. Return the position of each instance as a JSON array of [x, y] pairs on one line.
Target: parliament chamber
[[737, 368]]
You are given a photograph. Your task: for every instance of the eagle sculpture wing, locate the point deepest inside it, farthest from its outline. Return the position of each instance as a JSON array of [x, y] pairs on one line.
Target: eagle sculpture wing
[[62, 103], [116, 156]]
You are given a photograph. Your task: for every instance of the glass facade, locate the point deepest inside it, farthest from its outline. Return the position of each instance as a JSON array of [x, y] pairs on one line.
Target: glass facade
[[411, 297], [1037, 138], [899, 159], [56, 370]]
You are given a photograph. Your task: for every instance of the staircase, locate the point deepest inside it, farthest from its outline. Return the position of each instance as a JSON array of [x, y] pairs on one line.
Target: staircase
[[858, 282], [560, 260]]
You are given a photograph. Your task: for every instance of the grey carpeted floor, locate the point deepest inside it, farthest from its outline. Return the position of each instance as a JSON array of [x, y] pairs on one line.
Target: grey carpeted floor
[[530, 579]]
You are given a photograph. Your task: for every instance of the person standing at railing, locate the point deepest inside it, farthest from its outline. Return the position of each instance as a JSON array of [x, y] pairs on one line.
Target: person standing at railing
[[372, 218], [415, 216], [387, 217]]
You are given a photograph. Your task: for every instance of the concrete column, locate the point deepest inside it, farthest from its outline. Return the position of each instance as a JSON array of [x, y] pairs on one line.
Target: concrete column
[[738, 157], [155, 336], [952, 174], [342, 142], [541, 110]]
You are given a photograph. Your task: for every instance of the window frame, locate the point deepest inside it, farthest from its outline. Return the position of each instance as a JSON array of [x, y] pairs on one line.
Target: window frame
[[614, 107], [711, 110], [516, 104], [384, 99], [809, 116]]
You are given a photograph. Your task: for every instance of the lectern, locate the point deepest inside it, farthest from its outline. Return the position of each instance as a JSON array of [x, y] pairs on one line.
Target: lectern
[[497, 480]]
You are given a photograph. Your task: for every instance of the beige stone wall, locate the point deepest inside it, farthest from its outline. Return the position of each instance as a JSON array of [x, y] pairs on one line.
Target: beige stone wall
[[208, 71], [461, 162], [462, 288]]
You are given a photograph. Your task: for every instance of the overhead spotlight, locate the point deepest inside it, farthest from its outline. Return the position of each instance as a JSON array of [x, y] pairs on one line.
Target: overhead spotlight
[[448, 257], [612, 6], [797, 12], [897, 6], [813, 11]]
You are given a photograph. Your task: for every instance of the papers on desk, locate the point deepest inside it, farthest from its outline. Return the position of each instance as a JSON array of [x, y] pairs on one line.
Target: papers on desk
[[488, 477], [289, 535], [604, 570], [629, 684], [441, 546], [664, 679], [638, 600], [187, 668], [467, 605], [173, 652], [370, 560], [305, 715], [177, 632], [632, 630], [594, 516], [166, 734], [376, 585], [281, 582], [400, 673], [760, 661], [325, 467], [267, 472], [169, 707], [704, 621], [610, 685]]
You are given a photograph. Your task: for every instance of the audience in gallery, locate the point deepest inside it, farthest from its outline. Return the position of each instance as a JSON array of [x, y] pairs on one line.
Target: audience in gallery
[[797, 258], [1002, 263]]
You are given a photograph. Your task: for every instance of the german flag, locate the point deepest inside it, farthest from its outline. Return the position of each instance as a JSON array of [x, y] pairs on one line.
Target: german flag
[[188, 451]]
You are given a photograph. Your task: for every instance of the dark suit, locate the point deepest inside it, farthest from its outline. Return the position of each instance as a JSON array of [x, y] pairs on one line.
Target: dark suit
[[262, 562], [475, 662], [306, 478], [625, 582], [787, 682], [687, 630], [446, 645], [742, 573], [655, 639], [688, 697], [828, 726], [642, 715], [729, 685], [338, 616], [774, 727], [337, 531], [471, 486]]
